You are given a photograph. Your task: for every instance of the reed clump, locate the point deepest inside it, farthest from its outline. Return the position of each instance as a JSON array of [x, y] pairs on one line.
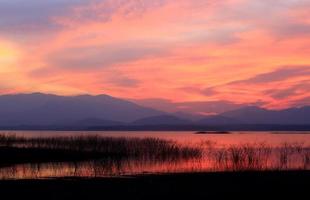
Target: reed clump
[[117, 148], [242, 157], [261, 157]]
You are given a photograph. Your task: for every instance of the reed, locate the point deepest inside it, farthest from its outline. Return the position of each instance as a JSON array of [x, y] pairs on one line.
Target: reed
[[95, 156], [102, 147], [306, 158], [251, 157]]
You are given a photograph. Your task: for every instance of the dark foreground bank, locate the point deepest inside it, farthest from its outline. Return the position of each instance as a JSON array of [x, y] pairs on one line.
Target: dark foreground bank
[[243, 185]]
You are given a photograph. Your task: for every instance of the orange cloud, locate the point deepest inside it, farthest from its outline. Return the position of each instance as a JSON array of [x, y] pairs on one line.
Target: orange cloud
[[190, 50]]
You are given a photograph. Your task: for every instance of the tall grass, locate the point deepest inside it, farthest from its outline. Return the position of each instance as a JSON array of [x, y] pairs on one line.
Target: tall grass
[[89, 156], [306, 158], [243, 157], [143, 148], [261, 157], [95, 156]]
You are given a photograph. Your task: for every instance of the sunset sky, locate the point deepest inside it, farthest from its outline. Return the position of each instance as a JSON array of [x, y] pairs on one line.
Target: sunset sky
[[180, 52]]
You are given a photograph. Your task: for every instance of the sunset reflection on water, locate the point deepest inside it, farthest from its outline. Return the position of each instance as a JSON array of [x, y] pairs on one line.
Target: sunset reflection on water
[[229, 152]]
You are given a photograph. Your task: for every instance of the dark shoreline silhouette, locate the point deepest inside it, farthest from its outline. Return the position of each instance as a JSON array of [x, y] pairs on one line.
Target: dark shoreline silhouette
[[196, 128], [240, 185]]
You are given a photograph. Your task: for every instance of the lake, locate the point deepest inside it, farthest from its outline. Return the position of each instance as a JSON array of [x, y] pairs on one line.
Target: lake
[[237, 151], [242, 137]]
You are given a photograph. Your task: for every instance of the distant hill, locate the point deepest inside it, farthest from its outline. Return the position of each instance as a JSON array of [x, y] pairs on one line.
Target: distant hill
[[95, 122], [256, 115], [44, 109], [188, 116], [218, 120], [161, 120], [38, 110]]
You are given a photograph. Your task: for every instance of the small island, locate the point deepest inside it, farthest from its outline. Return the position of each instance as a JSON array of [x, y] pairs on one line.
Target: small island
[[212, 132]]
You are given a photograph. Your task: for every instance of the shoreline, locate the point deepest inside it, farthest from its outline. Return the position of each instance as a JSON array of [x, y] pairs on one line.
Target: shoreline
[[191, 127], [249, 184]]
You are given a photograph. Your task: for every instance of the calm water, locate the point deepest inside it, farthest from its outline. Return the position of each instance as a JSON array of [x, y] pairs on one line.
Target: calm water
[[188, 137], [264, 150]]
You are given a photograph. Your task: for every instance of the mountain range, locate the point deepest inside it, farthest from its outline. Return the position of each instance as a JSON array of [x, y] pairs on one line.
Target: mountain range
[[39, 109], [45, 109]]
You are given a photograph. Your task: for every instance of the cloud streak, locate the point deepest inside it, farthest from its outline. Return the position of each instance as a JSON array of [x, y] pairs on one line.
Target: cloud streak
[[278, 75], [243, 51]]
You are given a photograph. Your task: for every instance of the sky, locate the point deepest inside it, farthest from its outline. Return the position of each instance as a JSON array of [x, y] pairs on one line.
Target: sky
[[174, 55]]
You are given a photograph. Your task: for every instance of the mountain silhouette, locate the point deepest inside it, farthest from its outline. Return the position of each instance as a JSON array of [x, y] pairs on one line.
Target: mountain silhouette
[[45, 109], [218, 120], [91, 122], [39, 109], [161, 120], [256, 115]]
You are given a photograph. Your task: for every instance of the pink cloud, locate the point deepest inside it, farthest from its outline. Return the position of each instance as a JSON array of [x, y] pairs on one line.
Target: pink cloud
[[189, 50]]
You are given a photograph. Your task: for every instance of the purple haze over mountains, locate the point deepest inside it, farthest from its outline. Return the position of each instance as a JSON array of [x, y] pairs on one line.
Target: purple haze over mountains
[[44, 109]]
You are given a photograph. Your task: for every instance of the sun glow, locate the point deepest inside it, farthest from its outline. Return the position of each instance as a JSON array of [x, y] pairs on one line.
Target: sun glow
[[9, 55], [185, 51]]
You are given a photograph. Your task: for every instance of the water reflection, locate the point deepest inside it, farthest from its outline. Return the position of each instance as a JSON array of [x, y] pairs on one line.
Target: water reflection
[[96, 168], [231, 158]]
